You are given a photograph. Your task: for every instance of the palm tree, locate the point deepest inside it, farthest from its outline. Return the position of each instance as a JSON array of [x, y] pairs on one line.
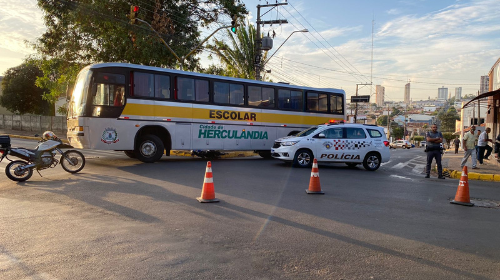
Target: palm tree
[[238, 56]]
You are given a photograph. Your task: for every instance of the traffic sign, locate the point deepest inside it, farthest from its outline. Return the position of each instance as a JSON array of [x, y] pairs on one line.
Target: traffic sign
[[360, 98]]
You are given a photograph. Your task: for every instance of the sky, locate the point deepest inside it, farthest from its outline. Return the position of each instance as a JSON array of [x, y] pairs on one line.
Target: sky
[[429, 43]]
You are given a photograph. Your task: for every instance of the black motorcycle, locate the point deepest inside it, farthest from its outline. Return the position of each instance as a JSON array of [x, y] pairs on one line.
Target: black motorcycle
[[42, 157]]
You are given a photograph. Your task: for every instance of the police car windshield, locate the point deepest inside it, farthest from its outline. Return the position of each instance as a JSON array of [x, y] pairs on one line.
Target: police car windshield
[[306, 132]]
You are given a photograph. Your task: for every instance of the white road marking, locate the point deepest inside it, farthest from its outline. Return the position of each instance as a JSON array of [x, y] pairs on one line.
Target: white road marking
[[401, 177]]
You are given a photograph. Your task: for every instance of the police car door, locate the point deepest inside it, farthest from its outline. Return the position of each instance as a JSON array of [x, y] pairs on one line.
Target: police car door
[[328, 144], [356, 145]]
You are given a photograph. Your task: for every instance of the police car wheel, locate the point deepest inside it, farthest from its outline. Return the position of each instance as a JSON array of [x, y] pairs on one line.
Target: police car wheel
[[303, 158], [371, 162]]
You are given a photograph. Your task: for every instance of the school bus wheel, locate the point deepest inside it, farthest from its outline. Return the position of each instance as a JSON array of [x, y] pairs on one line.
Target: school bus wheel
[[149, 149]]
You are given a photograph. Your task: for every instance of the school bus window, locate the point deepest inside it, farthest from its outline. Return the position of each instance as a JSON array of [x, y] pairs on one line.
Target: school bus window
[[236, 96], [312, 101], [185, 88], [143, 85], [296, 100], [201, 91], [162, 86], [335, 104], [261, 97], [323, 103], [290, 99], [221, 93]]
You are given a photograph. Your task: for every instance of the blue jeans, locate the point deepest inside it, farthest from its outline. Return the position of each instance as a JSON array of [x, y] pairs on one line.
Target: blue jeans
[[436, 154], [481, 155]]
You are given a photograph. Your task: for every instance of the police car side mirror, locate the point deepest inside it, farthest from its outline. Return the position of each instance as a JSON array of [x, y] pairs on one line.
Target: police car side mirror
[[321, 135]]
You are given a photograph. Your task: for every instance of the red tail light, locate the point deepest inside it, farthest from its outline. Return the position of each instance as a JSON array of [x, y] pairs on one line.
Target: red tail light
[[386, 143]]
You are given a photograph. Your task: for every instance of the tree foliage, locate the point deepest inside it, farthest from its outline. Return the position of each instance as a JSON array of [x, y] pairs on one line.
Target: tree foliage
[[57, 78], [448, 119], [382, 120], [89, 31], [395, 112], [238, 55], [20, 94], [397, 132]]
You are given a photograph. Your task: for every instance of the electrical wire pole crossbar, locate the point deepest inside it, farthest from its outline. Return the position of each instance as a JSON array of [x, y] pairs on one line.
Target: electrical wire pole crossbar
[[258, 40]]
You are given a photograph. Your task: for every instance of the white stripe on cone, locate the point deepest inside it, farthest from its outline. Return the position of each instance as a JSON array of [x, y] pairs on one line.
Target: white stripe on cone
[[209, 169], [315, 165], [463, 174], [314, 174], [209, 180]]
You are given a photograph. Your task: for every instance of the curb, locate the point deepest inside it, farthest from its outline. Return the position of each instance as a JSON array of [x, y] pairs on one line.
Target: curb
[[173, 152], [473, 176], [226, 155]]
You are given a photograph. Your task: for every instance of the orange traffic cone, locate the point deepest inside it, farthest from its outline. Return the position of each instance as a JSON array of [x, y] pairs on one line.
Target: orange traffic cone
[[314, 185], [462, 196], [208, 192]]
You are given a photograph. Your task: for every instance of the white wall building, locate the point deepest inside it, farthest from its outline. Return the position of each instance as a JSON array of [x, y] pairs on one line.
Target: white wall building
[[407, 94], [442, 93], [380, 93], [484, 85], [458, 93]]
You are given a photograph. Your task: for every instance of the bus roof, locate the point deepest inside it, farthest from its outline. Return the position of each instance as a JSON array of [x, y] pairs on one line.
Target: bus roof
[[168, 70]]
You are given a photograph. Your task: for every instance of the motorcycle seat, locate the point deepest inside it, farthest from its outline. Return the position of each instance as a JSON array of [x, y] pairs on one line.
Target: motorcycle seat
[[31, 150]]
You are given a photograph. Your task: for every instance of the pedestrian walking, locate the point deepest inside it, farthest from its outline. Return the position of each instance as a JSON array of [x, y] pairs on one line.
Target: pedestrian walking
[[434, 139], [469, 148], [497, 147], [476, 147], [456, 142], [483, 146]]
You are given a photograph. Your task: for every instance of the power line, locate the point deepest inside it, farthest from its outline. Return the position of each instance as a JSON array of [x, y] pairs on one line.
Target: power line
[[325, 39]]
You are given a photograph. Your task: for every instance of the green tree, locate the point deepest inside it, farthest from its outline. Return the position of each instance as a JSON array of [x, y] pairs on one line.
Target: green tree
[[237, 56], [20, 94], [58, 77], [448, 136], [88, 31], [448, 119], [382, 120], [397, 132], [395, 111]]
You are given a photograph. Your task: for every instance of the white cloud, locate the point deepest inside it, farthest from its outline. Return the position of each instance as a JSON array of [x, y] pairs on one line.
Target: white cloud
[[394, 12], [17, 26]]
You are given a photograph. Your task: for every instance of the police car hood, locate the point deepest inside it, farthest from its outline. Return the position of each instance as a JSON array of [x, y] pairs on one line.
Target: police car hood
[[289, 138]]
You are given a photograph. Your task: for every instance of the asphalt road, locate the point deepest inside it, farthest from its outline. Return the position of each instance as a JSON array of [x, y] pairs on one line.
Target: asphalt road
[[122, 219]]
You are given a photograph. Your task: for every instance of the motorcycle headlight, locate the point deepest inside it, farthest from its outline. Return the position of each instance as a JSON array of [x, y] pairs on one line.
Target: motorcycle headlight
[[289, 143]]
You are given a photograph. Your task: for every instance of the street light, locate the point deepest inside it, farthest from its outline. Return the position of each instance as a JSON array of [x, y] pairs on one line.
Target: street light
[[303, 30]]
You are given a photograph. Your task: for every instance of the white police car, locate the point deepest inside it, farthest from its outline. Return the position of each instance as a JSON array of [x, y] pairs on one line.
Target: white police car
[[351, 144]]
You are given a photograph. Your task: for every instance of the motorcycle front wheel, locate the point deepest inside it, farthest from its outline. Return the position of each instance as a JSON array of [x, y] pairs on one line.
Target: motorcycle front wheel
[[72, 161], [15, 174]]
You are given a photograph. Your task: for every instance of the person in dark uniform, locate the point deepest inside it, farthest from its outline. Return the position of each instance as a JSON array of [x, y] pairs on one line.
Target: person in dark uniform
[[457, 144], [434, 139]]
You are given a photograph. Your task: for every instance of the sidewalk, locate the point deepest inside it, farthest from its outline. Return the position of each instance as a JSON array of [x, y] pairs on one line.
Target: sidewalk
[[489, 171]]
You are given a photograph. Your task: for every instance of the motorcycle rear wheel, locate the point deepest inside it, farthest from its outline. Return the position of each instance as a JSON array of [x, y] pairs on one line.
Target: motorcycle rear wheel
[[18, 176], [77, 161]]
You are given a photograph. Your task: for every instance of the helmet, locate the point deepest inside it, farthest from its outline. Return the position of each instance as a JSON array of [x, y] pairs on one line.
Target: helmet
[[49, 135]]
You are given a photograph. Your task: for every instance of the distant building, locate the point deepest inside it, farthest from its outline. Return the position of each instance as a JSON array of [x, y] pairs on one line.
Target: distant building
[[443, 93], [458, 93], [407, 94], [485, 83], [380, 93]]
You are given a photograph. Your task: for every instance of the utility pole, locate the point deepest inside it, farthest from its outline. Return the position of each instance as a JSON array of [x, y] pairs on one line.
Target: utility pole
[[356, 109], [258, 40], [478, 110], [388, 124]]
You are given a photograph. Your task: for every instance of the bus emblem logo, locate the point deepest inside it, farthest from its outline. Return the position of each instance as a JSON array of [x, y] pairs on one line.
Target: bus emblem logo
[[109, 136]]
